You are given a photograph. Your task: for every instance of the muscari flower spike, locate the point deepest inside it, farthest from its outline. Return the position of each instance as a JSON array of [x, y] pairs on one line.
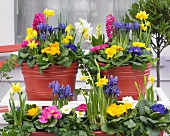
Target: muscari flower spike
[[112, 87], [61, 91]]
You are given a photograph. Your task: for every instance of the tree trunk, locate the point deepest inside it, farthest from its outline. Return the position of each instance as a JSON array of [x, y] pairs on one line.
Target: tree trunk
[[158, 68]]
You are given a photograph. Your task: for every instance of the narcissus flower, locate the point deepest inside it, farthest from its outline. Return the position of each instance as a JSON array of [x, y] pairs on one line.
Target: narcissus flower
[[16, 87], [49, 13]]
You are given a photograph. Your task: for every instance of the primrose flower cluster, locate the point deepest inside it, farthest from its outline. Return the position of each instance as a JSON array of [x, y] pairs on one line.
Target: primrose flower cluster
[[46, 45]]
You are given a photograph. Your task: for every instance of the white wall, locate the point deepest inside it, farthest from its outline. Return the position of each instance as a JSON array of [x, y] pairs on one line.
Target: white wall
[[6, 22]]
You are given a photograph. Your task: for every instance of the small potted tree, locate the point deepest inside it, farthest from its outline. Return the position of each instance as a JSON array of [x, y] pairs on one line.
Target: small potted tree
[[159, 18]]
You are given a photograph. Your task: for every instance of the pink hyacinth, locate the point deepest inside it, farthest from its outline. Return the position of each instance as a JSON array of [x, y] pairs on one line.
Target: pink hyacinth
[[109, 25], [24, 43], [38, 18], [99, 47], [81, 108]]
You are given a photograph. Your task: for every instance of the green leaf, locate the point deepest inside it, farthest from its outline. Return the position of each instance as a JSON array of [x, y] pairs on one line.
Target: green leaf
[[30, 63], [23, 55], [115, 120], [130, 123], [144, 119], [53, 122]]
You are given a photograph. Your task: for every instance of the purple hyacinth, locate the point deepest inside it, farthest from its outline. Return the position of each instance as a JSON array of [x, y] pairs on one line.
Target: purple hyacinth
[[159, 108], [72, 47]]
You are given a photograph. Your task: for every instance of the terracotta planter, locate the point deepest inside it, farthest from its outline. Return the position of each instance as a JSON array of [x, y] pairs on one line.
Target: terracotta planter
[[36, 84], [97, 133], [126, 78], [100, 133], [41, 134]]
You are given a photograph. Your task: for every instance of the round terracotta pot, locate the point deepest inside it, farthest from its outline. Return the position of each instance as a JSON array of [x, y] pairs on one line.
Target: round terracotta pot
[[100, 133], [41, 134], [127, 78], [97, 133], [36, 84]]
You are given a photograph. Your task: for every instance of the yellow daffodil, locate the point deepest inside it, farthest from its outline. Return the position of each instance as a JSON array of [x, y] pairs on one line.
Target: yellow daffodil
[[110, 52], [102, 81], [31, 33], [33, 112], [143, 27], [69, 28], [83, 78], [16, 87], [151, 79], [142, 15], [32, 44], [147, 23], [65, 41], [69, 37], [49, 13]]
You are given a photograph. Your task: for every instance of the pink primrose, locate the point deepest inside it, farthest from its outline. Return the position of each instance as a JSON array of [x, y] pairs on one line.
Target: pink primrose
[[81, 108], [43, 119], [57, 115], [24, 43]]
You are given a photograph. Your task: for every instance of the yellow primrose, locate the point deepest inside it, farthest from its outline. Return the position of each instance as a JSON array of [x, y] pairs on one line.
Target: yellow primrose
[[139, 44], [110, 52], [33, 112], [128, 105], [32, 44], [102, 81], [116, 47], [49, 13], [143, 27], [151, 79], [16, 87], [52, 50]]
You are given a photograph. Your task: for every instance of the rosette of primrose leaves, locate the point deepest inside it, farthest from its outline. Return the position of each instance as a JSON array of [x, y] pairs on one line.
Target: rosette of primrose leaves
[[127, 44], [47, 45]]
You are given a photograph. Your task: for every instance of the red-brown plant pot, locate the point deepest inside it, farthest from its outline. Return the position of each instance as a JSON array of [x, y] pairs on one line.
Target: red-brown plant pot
[[97, 133], [127, 78], [36, 84], [100, 133]]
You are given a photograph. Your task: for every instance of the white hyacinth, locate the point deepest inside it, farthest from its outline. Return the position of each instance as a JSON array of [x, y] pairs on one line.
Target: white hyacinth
[[80, 114], [83, 27], [129, 99], [66, 109]]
